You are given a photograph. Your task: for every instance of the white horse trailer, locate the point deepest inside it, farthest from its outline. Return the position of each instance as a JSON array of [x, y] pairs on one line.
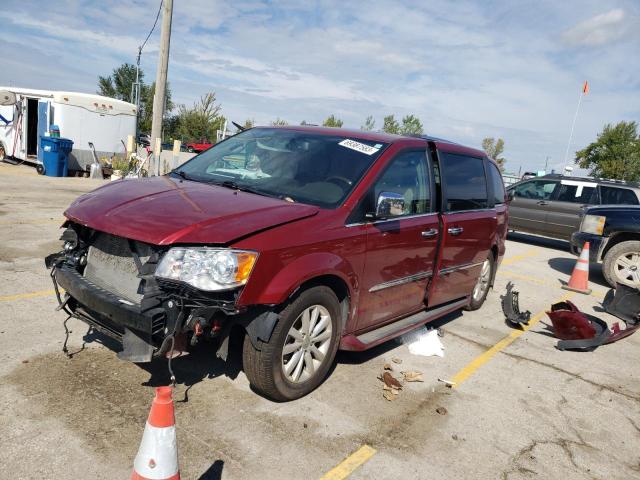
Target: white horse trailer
[[26, 114]]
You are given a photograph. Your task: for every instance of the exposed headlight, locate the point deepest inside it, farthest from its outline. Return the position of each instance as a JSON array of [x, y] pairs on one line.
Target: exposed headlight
[[593, 224], [207, 269]]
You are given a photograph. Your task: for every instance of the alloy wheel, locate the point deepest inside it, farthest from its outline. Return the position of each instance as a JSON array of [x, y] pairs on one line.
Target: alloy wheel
[[483, 281], [307, 344], [627, 268]]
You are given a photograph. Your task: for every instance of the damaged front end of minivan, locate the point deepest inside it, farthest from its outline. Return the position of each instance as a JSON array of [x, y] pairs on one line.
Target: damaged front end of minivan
[[155, 300]]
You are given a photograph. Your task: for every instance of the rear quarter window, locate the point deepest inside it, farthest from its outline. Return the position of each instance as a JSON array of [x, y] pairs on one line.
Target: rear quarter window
[[497, 185], [465, 182], [617, 196]]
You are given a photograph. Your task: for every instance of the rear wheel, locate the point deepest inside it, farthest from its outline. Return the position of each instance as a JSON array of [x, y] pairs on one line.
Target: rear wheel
[[301, 350], [480, 291], [622, 264]]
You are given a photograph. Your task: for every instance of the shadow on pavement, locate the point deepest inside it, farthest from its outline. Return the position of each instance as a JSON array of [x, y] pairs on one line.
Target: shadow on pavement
[[214, 472], [357, 358], [566, 265], [539, 241]]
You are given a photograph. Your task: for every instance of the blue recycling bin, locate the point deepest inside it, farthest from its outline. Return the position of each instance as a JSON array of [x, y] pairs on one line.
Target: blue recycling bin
[[55, 155]]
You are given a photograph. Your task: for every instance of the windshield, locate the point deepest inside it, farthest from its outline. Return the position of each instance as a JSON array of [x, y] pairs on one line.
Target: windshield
[[296, 166]]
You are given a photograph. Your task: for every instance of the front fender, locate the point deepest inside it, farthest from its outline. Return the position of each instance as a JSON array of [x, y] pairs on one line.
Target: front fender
[[265, 288]]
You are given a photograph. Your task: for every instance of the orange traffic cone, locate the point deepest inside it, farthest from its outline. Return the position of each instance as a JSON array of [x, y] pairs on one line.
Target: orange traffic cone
[[579, 281], [157, 458]]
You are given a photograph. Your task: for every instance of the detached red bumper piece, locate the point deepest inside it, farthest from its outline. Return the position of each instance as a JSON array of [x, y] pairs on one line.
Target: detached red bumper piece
[[580, 331]]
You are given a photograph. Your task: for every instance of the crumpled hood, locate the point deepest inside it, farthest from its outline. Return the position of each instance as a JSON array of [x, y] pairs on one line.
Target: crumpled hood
[[164, 211]]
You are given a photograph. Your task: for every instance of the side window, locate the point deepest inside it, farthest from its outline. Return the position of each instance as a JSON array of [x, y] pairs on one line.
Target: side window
[[535, 189], [496, 182], [575, 193], [464, 182], [406, 175], [617, 196]]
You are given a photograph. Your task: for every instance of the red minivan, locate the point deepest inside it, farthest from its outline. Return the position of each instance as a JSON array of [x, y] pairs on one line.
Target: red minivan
[[308, 239]]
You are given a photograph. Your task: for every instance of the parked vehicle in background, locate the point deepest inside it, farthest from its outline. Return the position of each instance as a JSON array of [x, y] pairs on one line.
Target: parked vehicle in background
[[308, 239], [613, 233], [551, 205], [200, 146], [528, 175]]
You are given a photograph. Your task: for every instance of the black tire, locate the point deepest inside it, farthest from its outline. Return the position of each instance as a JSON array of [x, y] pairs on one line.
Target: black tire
[[476, 303], [3, 153], [264, 365], [609, 264], [40, 169]]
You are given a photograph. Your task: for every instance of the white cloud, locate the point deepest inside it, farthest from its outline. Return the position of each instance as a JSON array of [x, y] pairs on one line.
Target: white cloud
[[598, 30]]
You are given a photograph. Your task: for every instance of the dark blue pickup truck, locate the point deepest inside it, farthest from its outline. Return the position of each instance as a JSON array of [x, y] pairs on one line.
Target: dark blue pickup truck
[[613, 233]]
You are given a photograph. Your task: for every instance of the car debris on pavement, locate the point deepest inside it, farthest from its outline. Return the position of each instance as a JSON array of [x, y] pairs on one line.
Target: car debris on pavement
[[511, 307], [580, 331]]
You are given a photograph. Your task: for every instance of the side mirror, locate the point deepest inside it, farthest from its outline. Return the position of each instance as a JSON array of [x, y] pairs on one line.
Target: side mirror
[[510, 195], [389, 204]]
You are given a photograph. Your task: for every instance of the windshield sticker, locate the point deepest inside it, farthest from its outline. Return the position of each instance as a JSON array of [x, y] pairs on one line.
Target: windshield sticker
[[358, 147]]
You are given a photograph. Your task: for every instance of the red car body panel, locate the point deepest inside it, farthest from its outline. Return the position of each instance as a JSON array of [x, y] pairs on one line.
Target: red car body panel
[[299, 243], [164, 211]]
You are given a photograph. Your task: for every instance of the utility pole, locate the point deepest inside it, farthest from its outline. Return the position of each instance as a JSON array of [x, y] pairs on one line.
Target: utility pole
[[161, 82]]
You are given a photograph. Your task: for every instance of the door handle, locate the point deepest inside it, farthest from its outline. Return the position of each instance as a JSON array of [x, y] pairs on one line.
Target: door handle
[[455, 230], [432, 232], [542, 202]]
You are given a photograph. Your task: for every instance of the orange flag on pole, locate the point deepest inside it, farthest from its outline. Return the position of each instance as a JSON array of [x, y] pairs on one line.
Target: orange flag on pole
[[585, 87]]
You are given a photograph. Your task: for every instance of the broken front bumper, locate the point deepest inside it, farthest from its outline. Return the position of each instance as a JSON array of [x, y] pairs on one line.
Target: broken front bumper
[[139, 329]]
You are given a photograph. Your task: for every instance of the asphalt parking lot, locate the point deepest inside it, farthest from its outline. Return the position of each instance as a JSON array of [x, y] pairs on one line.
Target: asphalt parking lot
[[520, 409]]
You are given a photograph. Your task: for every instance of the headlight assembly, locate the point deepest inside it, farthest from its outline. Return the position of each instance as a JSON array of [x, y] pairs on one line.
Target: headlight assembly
[[593, 224], [207, 269]]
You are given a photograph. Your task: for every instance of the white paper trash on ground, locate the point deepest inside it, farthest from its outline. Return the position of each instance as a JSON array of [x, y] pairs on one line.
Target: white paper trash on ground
[[424, 343]]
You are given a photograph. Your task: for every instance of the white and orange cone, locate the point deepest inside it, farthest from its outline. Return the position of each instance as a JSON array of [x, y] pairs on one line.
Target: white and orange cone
[[157, 458], [579, 281]]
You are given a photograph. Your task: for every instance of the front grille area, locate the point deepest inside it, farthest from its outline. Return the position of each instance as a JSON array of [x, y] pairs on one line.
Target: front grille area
[[110, 265]]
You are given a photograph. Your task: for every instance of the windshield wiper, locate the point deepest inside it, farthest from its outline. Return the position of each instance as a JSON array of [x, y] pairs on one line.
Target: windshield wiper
[[242, 188], [181, 174]]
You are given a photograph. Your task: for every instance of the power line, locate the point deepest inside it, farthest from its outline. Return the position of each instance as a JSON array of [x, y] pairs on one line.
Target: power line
[[152, 28]]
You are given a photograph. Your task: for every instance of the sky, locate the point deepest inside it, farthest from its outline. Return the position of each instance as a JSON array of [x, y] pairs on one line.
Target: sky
[[467, 69]]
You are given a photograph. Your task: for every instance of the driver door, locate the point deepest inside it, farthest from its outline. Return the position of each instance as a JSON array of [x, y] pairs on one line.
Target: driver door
[[401, 247]]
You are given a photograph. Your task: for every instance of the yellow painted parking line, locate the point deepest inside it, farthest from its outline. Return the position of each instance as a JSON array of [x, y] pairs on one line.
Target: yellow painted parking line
[[349, 464], [22, 296], [510, 274], [483, 358], [539, 281], [516, 258]]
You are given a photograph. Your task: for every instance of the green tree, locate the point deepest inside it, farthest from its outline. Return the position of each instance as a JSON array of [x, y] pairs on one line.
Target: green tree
[[249, 123], [494, 148], [411, 125], [145, 118], [279, 122], [615, 153], [119, 84], [202, 121], [369, 124], [332, 121], [390, 125]]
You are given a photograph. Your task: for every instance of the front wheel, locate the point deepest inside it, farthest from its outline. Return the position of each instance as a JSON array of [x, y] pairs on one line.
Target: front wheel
[[481, 290], [301, 350], [622, 264]]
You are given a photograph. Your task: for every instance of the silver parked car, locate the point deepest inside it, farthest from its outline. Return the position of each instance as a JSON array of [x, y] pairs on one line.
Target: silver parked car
[[552, 205]]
